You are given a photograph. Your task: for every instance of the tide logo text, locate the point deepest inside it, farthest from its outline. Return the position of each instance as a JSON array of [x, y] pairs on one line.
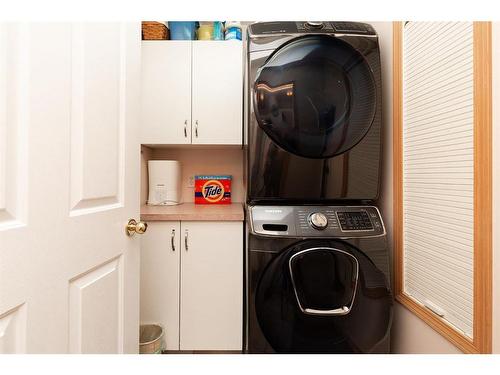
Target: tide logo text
[[213, 191]]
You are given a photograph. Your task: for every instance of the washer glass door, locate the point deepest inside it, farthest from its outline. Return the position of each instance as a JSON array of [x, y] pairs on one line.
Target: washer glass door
[[323, 296], [315, 96]]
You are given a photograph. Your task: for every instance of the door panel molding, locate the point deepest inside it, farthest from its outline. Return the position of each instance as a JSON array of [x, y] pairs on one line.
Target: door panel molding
[[14, 121], [95, 299], [13, 330], [97, 167]]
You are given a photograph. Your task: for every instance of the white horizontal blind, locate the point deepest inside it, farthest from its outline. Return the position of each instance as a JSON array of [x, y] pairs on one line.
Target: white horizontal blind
[[438, 168]]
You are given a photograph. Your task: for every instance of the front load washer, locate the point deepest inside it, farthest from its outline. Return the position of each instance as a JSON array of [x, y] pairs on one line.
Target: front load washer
[[318, 280], [314, 112]]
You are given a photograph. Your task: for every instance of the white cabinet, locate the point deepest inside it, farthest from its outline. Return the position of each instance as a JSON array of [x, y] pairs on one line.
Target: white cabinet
[[166, 92], [160, 278], [217, 95], [192, 283], [211, 286], [192, 92]]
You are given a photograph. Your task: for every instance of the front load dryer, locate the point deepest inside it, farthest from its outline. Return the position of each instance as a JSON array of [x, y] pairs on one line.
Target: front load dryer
[[314, 112], [318, 280]]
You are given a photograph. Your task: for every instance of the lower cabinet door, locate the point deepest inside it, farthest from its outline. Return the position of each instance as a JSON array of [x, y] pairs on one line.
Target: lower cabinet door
[[211, 286], [160, 262]]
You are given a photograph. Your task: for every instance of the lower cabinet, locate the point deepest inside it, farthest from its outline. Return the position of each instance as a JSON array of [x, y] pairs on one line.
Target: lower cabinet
[[160, 278], [192, 283]]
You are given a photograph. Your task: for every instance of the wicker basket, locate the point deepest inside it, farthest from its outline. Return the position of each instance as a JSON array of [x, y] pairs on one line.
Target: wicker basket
[[150, 339], [152, 30]]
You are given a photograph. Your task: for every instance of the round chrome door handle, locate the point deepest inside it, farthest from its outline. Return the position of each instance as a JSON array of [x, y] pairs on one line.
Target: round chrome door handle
[[134, 227], [318, 220]]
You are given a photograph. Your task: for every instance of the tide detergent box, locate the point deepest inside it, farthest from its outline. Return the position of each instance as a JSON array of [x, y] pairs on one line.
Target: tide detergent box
[[212, 189]]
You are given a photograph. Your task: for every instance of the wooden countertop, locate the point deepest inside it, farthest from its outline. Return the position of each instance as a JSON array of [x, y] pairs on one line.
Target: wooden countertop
[[194, 212]]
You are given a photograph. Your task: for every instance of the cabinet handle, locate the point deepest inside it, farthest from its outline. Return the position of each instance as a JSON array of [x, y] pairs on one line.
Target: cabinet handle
[[196, 128], [186, 233], [172, 239], [185, 128]]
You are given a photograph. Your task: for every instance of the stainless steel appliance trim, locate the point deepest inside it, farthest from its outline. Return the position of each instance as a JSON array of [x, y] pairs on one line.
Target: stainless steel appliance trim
[[344, 310], [254, 36], [272, 235]]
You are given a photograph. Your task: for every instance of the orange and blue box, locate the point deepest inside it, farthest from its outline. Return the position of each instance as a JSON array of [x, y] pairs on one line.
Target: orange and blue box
[[212, 189]]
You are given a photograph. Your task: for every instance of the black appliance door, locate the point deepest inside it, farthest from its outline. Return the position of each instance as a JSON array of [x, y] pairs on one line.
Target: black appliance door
[[315, 97], [323, 296]]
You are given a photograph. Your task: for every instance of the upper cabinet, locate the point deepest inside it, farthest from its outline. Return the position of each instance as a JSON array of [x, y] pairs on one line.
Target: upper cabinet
[[192, 92], [217, 96], [166, 92]]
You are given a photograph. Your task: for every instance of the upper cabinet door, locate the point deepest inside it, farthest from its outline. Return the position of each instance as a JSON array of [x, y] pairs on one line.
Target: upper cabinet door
[[217, 92], [166, 92]]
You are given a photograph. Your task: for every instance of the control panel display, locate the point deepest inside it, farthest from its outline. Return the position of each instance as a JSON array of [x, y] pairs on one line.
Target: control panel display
[[284, 27], [316, 221], [354, 220]]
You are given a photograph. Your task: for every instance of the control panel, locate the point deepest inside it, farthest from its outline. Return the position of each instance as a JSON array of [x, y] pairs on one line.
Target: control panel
[[308, 26], [317, 27], [354, 220], [316, 221]]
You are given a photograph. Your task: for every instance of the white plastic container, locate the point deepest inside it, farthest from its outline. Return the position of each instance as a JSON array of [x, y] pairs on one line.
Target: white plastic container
[[164, 182]]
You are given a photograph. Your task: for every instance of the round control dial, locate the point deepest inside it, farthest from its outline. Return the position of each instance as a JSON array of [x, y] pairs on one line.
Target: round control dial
[[314, 24], [318, 220]]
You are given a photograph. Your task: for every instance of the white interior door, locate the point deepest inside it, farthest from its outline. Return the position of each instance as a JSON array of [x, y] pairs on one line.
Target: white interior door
[[217, 92], [69, 181]]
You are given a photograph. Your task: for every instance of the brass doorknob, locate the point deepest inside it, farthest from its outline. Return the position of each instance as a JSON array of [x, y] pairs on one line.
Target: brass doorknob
[[134, 227]]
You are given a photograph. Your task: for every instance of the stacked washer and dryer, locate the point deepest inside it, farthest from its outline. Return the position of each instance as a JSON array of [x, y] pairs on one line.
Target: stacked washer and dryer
[[318, 275]]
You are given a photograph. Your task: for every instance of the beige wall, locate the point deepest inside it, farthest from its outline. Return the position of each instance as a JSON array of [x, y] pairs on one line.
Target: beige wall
[[411, 335], [384, 31], [146, 154]]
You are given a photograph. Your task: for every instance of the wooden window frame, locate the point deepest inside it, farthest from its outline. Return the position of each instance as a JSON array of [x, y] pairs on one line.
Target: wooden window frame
[[482, 310]]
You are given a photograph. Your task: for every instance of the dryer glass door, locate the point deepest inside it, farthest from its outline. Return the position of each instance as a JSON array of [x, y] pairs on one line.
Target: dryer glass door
[[315, 96]]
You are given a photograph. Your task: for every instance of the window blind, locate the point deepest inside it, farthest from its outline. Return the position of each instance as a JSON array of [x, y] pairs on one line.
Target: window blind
[[438, 168]]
